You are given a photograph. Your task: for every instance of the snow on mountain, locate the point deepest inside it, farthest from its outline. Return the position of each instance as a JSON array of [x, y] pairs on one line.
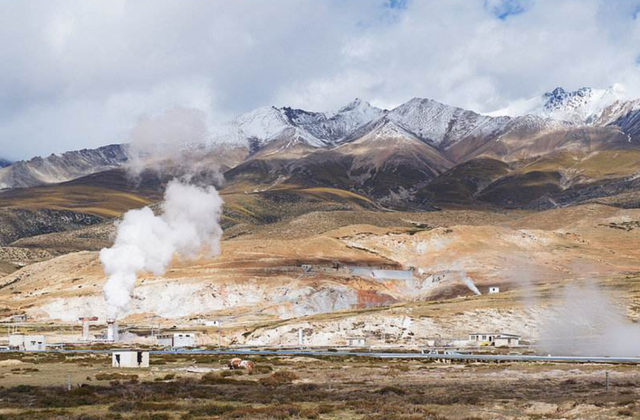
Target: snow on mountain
[[334, 127], [383, 129], [258, 125], [316, 129], [439, 124], [582, 106]]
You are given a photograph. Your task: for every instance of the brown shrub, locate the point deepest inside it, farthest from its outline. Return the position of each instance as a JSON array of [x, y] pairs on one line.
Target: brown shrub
[[280, 377]]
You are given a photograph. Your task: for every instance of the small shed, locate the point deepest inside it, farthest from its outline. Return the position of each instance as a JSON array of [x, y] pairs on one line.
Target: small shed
[[27, 342], [356, 341], [130, 359], [178, 339], [494, 289]]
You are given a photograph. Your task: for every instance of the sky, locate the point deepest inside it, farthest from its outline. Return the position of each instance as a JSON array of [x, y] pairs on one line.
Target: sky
[[81, 73]]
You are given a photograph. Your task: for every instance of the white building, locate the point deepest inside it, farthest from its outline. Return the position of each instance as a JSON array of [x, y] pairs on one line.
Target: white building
[[495, 339], [507, 340], [178, 339], [27, 342], [494, 289], [356, 341], [130, 359]]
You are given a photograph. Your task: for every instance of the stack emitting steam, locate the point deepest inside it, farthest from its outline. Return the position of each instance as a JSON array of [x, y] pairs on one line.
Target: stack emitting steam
[[188, 225], [469, 283]]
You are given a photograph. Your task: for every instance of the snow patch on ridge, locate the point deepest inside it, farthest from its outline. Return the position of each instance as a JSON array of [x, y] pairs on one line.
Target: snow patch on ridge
[[582, 106]]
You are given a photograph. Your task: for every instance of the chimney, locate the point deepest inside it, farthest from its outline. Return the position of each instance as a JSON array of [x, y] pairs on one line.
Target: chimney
[[112, 329], [85, 329]]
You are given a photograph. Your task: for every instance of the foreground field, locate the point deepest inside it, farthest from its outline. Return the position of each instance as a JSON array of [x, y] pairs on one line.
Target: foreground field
[[201, 387]]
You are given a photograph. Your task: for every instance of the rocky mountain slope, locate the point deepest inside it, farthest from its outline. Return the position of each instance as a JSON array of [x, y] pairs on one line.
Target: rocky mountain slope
[[396, 157], [68, 166], [258, 280]]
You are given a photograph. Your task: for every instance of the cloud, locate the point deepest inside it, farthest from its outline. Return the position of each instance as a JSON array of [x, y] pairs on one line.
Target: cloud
[[81, 73]]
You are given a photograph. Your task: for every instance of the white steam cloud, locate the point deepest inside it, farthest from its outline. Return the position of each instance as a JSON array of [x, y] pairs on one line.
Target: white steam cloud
[[588, 322], [189, 224], [469, 283]]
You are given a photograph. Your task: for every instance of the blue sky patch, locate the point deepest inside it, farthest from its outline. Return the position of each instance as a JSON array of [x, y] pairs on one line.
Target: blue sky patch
[[502, 9]]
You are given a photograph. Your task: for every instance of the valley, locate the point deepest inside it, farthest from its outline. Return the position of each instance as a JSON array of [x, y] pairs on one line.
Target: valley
[[528, 204]]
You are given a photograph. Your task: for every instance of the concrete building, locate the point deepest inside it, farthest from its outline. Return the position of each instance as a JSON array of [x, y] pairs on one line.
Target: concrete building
[[178, 339], [130, 359], [495, 339], [356, 341], [494, 289], [507, 340], [27, 342]]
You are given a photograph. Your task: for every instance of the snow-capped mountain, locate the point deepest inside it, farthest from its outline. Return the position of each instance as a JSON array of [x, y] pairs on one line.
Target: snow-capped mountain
[[582, 106], [334, 127], [316, 129], [434, 123], [440, 124]]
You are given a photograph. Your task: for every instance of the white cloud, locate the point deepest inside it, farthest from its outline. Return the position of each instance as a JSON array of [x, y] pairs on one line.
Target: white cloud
[[81, 73]]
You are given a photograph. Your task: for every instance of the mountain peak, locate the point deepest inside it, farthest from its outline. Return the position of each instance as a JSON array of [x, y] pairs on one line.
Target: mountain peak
[[579, 106], [356, 103]]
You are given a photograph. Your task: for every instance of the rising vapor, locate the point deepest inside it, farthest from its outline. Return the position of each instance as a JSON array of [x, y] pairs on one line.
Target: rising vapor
[[469, 283], [189, 224]]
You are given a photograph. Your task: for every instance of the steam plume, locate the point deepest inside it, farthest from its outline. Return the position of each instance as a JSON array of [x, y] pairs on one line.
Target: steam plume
[[587, 321], [161, 140], [469, 283], [188, 225]]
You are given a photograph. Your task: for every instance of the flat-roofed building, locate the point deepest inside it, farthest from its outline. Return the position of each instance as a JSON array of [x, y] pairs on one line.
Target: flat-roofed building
[[130, 359]]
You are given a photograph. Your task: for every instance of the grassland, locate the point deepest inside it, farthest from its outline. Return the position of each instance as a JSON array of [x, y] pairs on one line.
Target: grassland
[[99, 201], [197, 387]]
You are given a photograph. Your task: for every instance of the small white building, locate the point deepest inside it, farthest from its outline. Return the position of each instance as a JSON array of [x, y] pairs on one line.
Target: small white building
[[356, 341], [495, 339], [494, 289], [507, 340], [27, 342], [130, 359], [178, 339], [18, 318]]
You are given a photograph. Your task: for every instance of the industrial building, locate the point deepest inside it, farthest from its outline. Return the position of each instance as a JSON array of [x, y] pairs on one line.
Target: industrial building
[[495, 339], [130, 359], [27, 342], [356, 341], [178, 339]]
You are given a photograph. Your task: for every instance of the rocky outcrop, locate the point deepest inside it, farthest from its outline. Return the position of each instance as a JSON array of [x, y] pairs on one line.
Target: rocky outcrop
[[22, 223]]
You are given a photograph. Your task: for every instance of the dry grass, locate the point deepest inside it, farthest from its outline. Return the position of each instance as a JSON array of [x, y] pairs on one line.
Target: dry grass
[[337, 388], [99, 201]]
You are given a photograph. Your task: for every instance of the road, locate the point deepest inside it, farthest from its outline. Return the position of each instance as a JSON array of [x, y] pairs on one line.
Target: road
[[452, 357]]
